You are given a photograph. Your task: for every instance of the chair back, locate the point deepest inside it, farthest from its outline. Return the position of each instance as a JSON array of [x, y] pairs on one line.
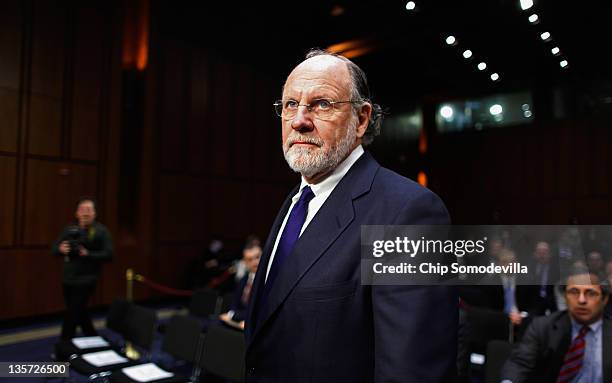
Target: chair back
[[117, 315], [203, 303], [223, 353], [140, 326], [182, 336]]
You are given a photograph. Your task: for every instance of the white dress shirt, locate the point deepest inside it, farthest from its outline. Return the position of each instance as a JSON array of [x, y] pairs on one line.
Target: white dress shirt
[[321, 191]]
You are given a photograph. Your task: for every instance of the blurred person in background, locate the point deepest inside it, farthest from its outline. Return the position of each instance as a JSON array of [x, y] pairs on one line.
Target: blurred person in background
[[574, 345], [84, 245], [237, 313], [544, 272], [596, 264]]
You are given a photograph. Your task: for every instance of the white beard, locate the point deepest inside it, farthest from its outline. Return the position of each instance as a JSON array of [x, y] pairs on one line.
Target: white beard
[[311, 161]]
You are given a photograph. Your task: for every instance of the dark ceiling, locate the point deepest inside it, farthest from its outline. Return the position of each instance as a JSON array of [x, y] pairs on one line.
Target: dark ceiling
[[409, 59]]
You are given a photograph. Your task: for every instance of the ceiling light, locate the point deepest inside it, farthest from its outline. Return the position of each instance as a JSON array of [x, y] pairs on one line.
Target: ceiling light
[[533, 18], [494, 76], [563, 64], [410, 5], [450, 40], [467, 53], [496, 109], [482, 66], [555, 51], [527, 113], [526, 4], [446, 112], [545, 36]]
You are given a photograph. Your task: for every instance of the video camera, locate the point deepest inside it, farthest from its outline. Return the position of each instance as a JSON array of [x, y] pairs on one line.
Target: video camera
[[75, 239]]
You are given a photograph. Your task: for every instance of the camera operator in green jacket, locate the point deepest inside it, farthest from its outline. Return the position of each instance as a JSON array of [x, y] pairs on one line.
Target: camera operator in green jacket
[[84, 245]]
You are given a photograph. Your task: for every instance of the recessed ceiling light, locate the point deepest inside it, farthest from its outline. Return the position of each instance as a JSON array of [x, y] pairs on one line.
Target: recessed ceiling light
[[446, 112], [482, 66], [450, 40], [467, 53], [494, 76], [526, 4], [411, 5], [555, 51], [563, 64], [496, 109], [545, 36], [533, 18]]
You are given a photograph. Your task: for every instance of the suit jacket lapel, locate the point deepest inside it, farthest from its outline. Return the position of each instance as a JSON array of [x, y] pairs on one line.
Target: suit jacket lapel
[[330, 221], [560, 342], [606, 356], [260, 275]]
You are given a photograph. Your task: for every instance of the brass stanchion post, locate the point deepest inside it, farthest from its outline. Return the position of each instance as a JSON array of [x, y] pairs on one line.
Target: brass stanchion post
[[130, 351]]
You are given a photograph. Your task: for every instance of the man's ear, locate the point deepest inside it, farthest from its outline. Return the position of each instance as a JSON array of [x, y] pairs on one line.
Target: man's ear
[[363, 115]]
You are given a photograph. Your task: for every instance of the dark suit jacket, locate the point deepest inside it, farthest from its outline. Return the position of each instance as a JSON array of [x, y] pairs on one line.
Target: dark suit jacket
[[539, 355], [237, 306], [321, 325]]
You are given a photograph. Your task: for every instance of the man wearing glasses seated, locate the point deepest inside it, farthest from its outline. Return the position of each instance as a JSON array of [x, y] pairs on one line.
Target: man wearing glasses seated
[[568, 346]]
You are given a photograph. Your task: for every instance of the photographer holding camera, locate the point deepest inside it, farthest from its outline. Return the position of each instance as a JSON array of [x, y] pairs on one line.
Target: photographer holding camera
[[84, 246]]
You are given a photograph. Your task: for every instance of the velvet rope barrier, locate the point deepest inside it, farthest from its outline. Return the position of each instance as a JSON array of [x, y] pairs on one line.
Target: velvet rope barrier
[[155, 286]]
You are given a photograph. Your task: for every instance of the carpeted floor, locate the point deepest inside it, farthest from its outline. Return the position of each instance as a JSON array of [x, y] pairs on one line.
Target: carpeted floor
[[35, 343]]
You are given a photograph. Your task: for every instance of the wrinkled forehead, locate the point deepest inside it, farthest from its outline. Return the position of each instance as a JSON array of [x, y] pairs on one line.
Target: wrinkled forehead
[[317, 76]]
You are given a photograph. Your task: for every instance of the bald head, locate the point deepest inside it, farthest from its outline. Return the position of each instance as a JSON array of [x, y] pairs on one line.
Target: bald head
[[331, 69]]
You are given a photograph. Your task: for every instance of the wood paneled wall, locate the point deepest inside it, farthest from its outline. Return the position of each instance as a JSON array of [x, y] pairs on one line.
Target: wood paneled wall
[[552, 172], [209, 154], [220, 171], [54, 128], [210, 163]]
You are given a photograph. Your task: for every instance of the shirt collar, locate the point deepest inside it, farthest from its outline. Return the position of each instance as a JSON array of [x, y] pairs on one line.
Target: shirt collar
[[329, 183], [595, 326]]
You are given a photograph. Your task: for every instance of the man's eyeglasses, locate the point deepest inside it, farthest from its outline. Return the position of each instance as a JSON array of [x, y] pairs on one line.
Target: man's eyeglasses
[[588, 293], [322, 109]]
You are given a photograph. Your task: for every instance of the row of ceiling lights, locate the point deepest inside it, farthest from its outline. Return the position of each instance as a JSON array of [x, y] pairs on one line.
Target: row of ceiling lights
[[544, 36], [533, 19], [467, 53]]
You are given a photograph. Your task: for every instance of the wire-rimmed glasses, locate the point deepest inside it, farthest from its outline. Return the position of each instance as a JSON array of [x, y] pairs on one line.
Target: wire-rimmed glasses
[[322, 108]]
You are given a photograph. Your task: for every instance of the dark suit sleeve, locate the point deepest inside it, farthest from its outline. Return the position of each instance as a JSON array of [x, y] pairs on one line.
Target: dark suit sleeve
[[522, 361], [416, 326]]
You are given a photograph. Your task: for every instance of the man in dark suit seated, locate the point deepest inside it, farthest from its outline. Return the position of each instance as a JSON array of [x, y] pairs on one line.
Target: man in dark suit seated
[[242, 295], [567, 346]]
